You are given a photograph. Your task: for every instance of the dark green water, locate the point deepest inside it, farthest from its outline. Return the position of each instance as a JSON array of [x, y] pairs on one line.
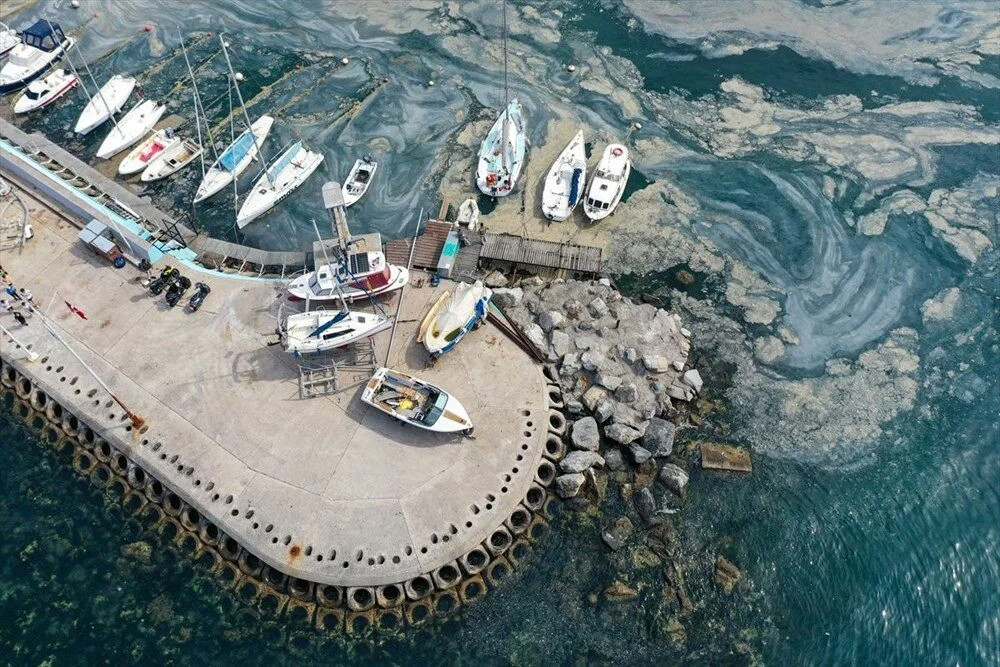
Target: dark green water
[[878, 548]]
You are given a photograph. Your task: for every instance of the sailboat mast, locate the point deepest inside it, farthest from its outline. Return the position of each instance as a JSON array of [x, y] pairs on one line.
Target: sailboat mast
[[197, 104], [246, 117], [506, 97], [326, 258], [71, 65]]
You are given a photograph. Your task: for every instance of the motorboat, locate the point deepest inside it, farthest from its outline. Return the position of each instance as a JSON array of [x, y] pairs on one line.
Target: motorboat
[[362, 274], [281, 179], [41, 46], [359, 179], [608, 182], [501, 155], [235, 159], [8, 39], [149, 150], [565, 181], [468, 215], [171, 159], [416, 402], [317, 331], [453, 316], [108, 101], [44, 91], [132, 127]]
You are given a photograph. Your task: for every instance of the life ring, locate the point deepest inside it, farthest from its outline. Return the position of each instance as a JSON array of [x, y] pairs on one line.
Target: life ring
[[616, 152]]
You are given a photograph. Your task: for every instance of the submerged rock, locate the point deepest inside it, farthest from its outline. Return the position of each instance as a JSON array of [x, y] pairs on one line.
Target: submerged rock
[[141, 551], [727, 575], [716, 456], [618, 533], [620, 592], [645, 504], [674, 478]]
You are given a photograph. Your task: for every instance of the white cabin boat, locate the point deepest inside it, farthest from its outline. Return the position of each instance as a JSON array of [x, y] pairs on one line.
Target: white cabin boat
[[41, 46], [359, 179], [8, 39], [566, 181], [317, 331], [608, 182], [235, 159], [416, 402], [363, 274], [171, 159], [44, 91], [108, 101], [146, 152], [282, 178], [450, 319], [132, 127], [501, 155], [468, 215]]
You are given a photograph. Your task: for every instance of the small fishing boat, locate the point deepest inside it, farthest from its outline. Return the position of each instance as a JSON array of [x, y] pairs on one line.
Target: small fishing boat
[[170, 160], [365, 273], [468, 214], [145, 153], [501, 155], [414, 401], [235, 159], [41, 46], [452, 318], [281, 179], [566, 180], [44, 91], [8, 39], [359, 179], [317, 331], [608, 182], [132, 127], [108, 101]]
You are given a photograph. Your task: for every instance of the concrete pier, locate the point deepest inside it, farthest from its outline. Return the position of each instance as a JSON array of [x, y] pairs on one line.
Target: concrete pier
[[324, 490]]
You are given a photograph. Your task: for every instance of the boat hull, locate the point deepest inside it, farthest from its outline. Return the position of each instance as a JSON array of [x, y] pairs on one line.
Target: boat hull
[[353, 189], [131, 128], [304, 333], [398, 277], [146, 152], [101, 107], [218, 177], [171, 160], [18, 81], [58, 84], [449, 415], [566, 181], [502, 157], [264, 197], [453, 319], [607, 185]]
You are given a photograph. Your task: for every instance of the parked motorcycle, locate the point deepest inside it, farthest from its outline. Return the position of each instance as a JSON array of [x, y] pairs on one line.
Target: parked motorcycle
[[157, 285], [201, 291], [176, 290]]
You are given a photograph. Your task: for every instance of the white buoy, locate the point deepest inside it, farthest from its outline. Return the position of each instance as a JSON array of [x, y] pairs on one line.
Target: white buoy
[[344, 60], [75, 4], [239, 76], [571, 68], [431, 82], [638, 126], [227, 44]]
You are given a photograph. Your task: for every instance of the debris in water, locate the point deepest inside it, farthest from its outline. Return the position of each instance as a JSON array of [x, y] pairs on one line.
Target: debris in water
[[571, 68]]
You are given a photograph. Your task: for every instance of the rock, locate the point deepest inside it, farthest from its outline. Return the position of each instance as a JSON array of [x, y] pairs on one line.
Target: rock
[[573, 308], [579, 461], [560, 343], [644, 557], [787, 334], [941, 306], [645, 504], [575, 407], [614, 460], [495, 279], [141, 551], [550, 319], [621, 433], [629, 355], [604, 281], [727, 575], [585, 434], [715, 456], [685, 332], [598, 485], [768, 349], [570, 364], [532, 281], [679, 393], [675, 631], [618, 533], [692, 378], [568, 486], [590, 361], [627, 393], [657, 363], [659, 437], [597, 308], [619, 592], [593, 396], [638, 453], [629, 416], [674, 478], [607, 380], [535, 334], [604, 410], [678, 366], [645, 473], [685, 278]]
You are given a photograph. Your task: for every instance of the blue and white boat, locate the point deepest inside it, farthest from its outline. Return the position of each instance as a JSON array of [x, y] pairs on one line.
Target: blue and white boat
[[281, 179], [42, 46], [235, 159], [453, 316], [566, 181]]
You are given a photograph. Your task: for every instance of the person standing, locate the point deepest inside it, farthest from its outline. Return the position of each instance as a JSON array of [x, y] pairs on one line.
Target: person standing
[[20, 318]]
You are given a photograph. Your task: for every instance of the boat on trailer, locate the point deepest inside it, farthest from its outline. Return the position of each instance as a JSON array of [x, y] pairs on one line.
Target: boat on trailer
[[359, 180], [416, 402], [148, 151], [317, 331], [362, 274], [281, 179], [451, 318], [235, 159], [565, 181], [41, 46], [42, 92], [608, 182], [108, 101], [132, 127], [171, 159]]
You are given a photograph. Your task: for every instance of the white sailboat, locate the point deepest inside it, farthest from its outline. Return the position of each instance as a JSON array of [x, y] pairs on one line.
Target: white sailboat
[[501, 155], [146, 152], [565, 181], [451, 318], [281, 179], [416, 402], [171, 159], [318, 331], [235, 159], [8, 39], [359, 179], [44, 91], [133, 126], [608, 182], [108, 101], [40, 47]]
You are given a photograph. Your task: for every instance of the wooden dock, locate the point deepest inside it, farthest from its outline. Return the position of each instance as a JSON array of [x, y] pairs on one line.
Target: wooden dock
[[510, 252], [429, 245]]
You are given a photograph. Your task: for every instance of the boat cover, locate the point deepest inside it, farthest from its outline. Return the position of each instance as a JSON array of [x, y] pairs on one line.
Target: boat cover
[[235, 153], [574, 187]]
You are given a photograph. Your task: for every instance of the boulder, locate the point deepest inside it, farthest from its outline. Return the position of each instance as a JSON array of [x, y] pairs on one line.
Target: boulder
[[659, 437], [614, 460], [604, 410], [560, 343], [727, 575], [630, 355], [532, 281], [495, 279], [621, 433], [617, 533], [638, 453], [679, 393], [575, 407], [593, 396], [597, 308], [550, 319], [674, 478], [570, 364], [573, 308], [579, 461], [627, 393], [657, 363], [608, 380], [585, 434], [507, 298], [590, 361], [604, 281], [537, 337], [568, 486], [645, 504], [619, 592]]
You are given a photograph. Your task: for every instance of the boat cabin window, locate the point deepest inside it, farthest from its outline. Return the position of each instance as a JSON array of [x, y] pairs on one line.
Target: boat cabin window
[[41, 36], [434, 413], [33, 94]]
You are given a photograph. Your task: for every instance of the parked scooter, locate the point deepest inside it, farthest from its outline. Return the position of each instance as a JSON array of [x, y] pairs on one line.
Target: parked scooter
[[201, 291], [176, 290], [156, 285]]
